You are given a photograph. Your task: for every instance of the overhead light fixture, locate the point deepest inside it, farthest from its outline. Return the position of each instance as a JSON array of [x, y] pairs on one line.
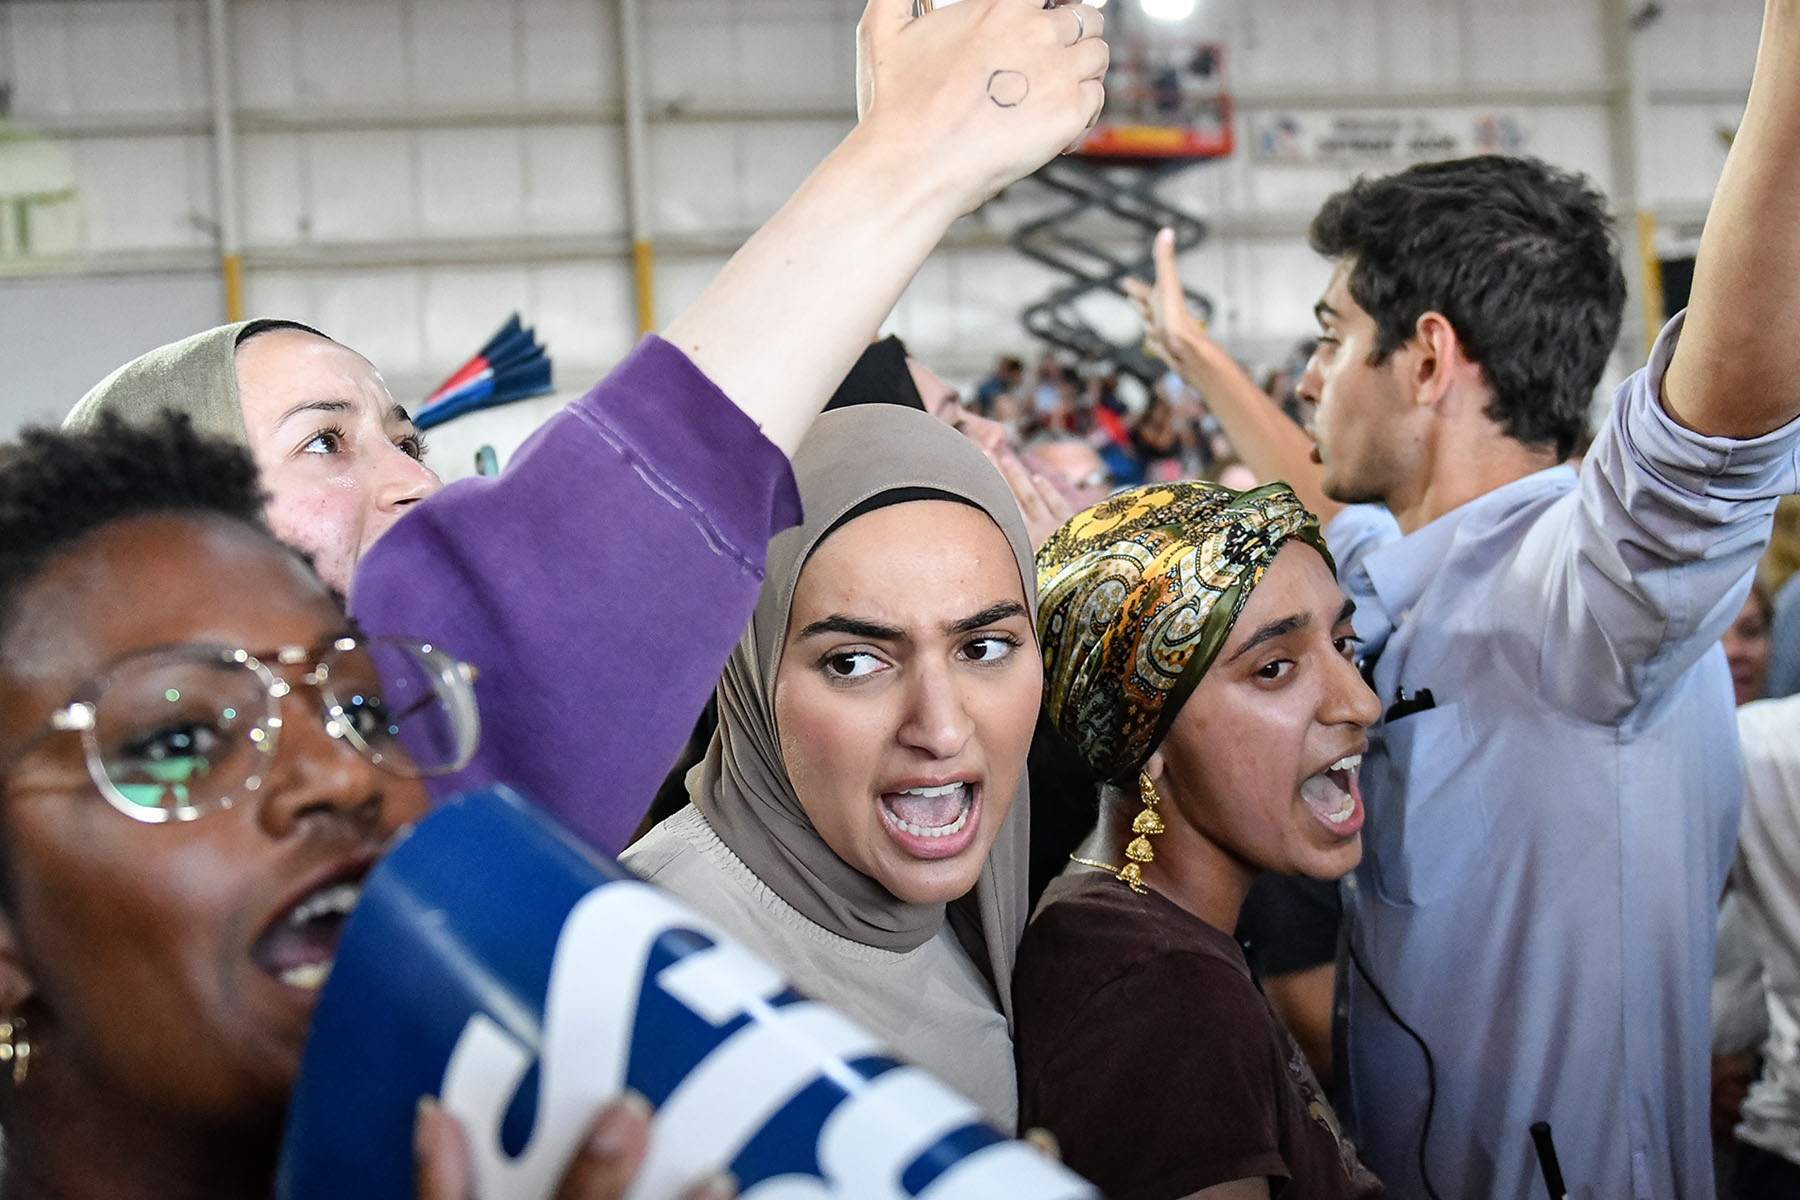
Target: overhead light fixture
[[1167, 10]]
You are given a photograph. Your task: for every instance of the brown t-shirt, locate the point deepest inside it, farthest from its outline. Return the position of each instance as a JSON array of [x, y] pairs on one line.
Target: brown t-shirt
[[1146, 1048]]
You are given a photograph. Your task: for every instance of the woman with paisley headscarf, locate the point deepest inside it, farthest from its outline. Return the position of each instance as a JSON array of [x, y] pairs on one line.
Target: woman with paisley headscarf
[[860, 817], [1199, 655]]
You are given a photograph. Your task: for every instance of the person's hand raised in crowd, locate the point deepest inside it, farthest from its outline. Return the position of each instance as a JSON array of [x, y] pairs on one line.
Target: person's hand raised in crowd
[[1044, 508], [988, 90], [1169, 329], [603, 1167]]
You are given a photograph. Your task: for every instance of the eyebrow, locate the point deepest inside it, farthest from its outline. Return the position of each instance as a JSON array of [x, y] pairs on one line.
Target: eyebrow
[[328, 406], [992, 614], [1322, 310], [1282, 626], [399, 413], [858, 627]]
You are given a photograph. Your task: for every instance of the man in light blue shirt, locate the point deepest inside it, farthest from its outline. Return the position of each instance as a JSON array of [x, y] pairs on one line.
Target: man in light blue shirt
[[1553, 792]]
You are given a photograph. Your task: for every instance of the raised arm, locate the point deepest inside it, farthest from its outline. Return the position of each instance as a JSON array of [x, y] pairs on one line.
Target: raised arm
[[1736, 371], [1268, 442], [958, 103]]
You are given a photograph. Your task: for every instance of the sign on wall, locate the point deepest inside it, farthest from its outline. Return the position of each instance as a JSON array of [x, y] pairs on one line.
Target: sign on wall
[[1383, 138]]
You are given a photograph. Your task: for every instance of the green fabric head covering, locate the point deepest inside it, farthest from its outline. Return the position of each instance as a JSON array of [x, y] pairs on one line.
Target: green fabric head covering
[[196, 376], [1137, 595]]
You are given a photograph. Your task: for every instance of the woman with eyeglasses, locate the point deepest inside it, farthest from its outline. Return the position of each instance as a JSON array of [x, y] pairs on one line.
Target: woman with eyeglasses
[[200, 759], [601, 580], [1199, 656]]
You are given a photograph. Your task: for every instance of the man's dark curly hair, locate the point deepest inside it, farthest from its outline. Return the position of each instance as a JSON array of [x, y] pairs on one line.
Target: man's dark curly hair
[[57, 487], [1518, 256]]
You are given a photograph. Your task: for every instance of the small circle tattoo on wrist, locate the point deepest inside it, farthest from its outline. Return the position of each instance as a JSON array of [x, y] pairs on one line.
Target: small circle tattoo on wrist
[[1008, 89]]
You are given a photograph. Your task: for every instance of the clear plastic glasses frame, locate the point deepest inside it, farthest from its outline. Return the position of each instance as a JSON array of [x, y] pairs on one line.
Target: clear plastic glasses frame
[[172, 734]]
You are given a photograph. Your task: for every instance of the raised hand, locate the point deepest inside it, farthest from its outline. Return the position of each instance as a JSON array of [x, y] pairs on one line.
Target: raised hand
[[986, 90], [1162, 306]]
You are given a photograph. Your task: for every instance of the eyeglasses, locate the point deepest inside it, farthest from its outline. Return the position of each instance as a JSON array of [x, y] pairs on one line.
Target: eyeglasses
[[175, 733]]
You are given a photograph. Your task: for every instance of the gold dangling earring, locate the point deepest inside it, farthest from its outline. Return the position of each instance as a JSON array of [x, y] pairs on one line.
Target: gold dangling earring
[[1146, 825], [15, 1047]]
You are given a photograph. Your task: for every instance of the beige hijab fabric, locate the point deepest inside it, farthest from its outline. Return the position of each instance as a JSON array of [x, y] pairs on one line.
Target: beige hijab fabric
[[197, 376], [851, 457]]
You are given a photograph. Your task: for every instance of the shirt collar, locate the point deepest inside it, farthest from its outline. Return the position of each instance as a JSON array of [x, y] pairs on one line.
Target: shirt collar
[[1400, 571]]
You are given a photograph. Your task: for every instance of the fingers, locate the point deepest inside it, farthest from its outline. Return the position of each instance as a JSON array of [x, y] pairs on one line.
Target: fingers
[[1044, 1142], [1040, 504], [440, 1157], [881, 20], [720, 1187], [1168, 275], [607, 1161], [1019, 482], [1090, 56], [1057, 510]]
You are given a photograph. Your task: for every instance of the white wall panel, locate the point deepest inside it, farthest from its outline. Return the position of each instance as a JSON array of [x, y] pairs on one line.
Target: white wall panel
[[145, 194], [569, 53], [43, 84], [574, 181], [775, 157], [1424, 43], [360, 187], [443, 132], [462, 308], [583, 312], [351, 53], [265, 63], [696, 172], [379, 312], [471, 181], [274, 190], [462, 53], [141, 56], [690, 51]]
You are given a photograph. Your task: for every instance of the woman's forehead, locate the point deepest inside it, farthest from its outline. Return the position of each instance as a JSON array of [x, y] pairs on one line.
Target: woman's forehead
[[1296, 583], [908, 555], [285, 367], [159, 580]]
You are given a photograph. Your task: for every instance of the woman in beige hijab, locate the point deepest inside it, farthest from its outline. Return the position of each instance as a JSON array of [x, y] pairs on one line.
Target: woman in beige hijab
[[860, 818]]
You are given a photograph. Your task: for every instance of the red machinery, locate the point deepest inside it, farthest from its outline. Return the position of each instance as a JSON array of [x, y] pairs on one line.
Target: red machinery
[[1167, 110]]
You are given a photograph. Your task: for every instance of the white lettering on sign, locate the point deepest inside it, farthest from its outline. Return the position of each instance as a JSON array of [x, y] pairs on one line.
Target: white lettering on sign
[[865, 1143]]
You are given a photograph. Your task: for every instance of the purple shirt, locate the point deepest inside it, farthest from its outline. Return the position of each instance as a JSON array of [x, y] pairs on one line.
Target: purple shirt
[[598, 585]]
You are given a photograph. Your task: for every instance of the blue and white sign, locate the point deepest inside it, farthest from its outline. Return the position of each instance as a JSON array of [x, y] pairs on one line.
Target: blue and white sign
[[496, 964]]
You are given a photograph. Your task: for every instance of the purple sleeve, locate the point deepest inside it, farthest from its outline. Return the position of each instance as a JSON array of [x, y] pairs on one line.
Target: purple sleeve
[[598, 585]]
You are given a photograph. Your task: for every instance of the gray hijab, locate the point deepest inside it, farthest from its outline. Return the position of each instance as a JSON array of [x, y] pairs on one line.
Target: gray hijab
[[850, 458]]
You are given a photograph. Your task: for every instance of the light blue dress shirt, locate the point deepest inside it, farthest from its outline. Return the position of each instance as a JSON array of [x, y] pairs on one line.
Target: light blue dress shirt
[[1546, 846]]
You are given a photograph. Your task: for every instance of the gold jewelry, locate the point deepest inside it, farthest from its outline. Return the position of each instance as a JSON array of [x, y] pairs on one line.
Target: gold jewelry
[[1139, 853], [15, 1047]]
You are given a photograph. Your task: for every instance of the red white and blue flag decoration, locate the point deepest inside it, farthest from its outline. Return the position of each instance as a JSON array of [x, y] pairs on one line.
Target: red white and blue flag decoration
[[512, 366]]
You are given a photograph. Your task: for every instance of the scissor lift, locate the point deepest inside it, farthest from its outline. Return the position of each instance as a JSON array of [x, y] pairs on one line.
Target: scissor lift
[[1167, 111]]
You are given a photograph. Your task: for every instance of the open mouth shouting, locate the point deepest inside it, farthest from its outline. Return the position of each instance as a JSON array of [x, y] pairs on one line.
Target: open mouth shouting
[[298, 947], [933, 820], [1334, 796]]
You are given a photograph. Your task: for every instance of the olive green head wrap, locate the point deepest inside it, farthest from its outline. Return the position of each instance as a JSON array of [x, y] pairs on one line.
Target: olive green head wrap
[[1137, 595], [196, 376]]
